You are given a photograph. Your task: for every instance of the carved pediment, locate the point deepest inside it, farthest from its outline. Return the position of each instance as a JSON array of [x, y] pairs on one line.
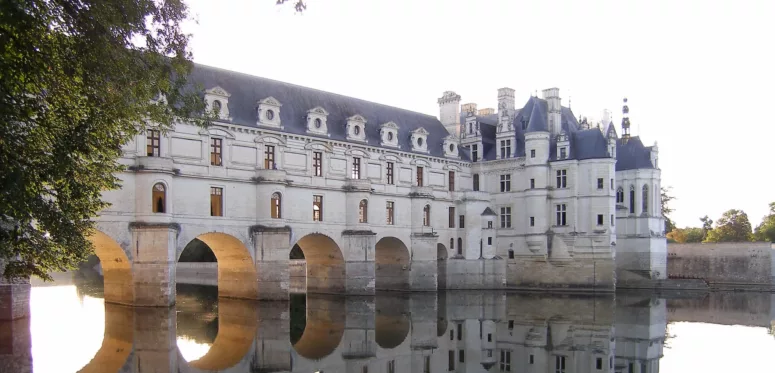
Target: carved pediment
[[317, 110], [217, 90], [421, 131], [270, 101], [390, 124], [356, 118]]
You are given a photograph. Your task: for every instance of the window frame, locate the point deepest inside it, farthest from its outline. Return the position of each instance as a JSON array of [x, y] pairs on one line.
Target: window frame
[[363, 211], [317, 201], [216, 195], [476, 182], [600, 220], [356, 169], [419, 177], [153, 143], [505, 183], [451, 182], [269, 157], [562, 179], [216, 151], [390, 173], [452, 216], [600, 183], [317, 163], [276, 205], [390, 212], [505, 216], [426, 216], [474, 153], [162, 194], [561, 217]]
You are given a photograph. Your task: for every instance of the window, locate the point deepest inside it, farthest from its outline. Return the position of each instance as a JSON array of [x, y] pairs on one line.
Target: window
[[452, 244], [532, 183], [631, 368], [269, 163], [452, 217], [511, 324], [532, 153], [559, 364], [356, 168], [217, 106], [476, 182], [390, 173], [612, 184], [619, 195], [419, 175], [531, 360], [452, 181], [532, 221], [599, 219], [632, 199], [613, 221], [489, 241], [317, 163], [489, 337], [276, 204], [505, 362], [505, 217], [505, 148], [562, 178], [462, 221], [318, 122], [511, 256], [461, 356], [459, 246], [474, 153], [216, 201], [391, 365], [216, 147], [506, 183], [159, 198], [317, 208], [451, 360], [451, 335], [599, 364], [269, 115], [363, 211], [563, 153], [600, 183], [489, 225], [153, 143], [389, 210], [426, 365], [459, 332], [560, 218], [365, 369], [645, 198], [426, 216]]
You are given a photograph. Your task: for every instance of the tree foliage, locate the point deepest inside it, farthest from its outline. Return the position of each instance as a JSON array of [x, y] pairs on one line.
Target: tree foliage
[[686, 235], [79, 78], [707, 223], [666, 210], [733, 226], [765, 231], [299, 5]]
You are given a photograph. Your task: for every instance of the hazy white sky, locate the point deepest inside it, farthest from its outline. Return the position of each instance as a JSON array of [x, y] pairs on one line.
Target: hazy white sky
[[698, 74]]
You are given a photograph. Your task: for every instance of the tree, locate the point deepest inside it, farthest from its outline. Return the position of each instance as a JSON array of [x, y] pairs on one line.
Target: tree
[[686, 235], [80, 78], [299, 5], [707, 224], [666, 210], [733, 226], [765, 231]]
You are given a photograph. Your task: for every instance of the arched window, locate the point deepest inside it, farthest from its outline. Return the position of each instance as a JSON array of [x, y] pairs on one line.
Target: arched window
[[217, 106], [452, 244], [620, 195], [459, 246], [277, 201], [632, 199], [645, 199], [159, 197], [363, 211], [426, 216]]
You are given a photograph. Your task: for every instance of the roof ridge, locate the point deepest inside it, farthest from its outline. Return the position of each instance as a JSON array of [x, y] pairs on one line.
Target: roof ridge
[[311, 89]]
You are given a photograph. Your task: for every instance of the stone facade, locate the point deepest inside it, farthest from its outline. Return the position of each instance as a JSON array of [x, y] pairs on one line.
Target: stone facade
[[749, 265]]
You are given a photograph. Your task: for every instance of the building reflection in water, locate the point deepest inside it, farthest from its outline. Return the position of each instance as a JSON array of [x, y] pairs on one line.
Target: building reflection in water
[[71, 329]]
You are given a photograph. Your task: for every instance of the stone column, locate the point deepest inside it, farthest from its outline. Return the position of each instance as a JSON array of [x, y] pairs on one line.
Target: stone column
[[14, 297], [272, 247], [156, 348], [423, 308], [358, 248], [359, 334], [153, 246], [424, 266], [15, 345], [273, 346]]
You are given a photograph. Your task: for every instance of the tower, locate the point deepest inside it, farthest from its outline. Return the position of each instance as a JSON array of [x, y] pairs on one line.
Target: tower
[[552, 97], [449, 112], [625, 122]]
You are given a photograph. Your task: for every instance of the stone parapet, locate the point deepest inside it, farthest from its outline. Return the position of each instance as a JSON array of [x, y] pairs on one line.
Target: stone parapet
[[578, 274]]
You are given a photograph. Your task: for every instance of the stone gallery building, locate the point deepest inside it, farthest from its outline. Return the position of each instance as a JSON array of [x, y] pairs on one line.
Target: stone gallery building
[[378, 197]]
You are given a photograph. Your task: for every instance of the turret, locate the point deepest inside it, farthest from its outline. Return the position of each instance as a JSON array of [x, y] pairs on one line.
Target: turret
[[449, 111]]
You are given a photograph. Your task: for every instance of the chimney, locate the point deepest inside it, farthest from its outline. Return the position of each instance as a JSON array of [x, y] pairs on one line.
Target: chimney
[[506, 101], [552, 97], [468, 108], [449, 114], [486, 111]]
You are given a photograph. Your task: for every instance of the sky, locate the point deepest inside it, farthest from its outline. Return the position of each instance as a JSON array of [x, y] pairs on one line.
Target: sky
[[698, 74]]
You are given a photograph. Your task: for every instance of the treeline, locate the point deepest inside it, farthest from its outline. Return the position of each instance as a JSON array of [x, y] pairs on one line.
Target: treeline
[[732, 226]]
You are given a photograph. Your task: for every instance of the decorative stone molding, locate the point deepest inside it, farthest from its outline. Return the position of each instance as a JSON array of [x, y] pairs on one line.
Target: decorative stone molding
[[356, 128], [269, 113], [419, 140], [317, 121], [388, 134], [217, 101], [450, 145], [470, 127]]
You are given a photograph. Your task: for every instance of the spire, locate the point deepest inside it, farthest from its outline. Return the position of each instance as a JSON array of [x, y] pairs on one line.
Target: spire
[[625, 122]]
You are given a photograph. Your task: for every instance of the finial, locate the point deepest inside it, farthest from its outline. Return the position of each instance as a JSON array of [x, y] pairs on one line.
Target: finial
[[625, 121], [569, 101]]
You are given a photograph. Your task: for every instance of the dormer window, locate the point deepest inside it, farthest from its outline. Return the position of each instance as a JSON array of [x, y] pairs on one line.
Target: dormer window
[[217, 100], [269, 112], [356, 128], [450, 146], [388, 134], [419, 140], [217, 105], [563, 146], [316, 121]]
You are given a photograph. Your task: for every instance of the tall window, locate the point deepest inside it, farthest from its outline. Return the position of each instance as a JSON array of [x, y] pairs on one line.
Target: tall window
[[476, 182], [505, 362], [459, 246], [632, 199], [390, 173], [451, 217], [317, 163], [426, 216], [619, 195], [389, 210], [560, 217], [419, 175], [462, 221], [356, 168], [452, 181], [599, 219], [532, 183], [216, 148], [563, 152], [452, 244], [317, 208], [159, 197], [505, 217], [532, 221], [600, 183], [613, 221], [474, 153], [612, 184], [562, 181], [505, 148], [269, 157], [451, 360], [506, 183], [559, 364], [426, 366], [532, 153], [645, 199], [276, 204], [391, 366], [153, 143], [363, 211], [216, 201]]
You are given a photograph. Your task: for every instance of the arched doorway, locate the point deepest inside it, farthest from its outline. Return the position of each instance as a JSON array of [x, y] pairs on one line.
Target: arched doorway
[[392, 322], [391, 259], [323, 326], [324, 263], [235, 266], [116, 269], [441, 265]]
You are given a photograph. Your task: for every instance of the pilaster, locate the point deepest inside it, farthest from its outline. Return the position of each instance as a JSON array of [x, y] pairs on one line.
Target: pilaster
[[272, 266], [359, 248], [153, 267], [424, 267]]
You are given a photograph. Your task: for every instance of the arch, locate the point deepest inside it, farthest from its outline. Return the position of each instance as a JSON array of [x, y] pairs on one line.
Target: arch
[[276, 205], [426, 216], [269, 139], [325, 264], [116, 343], [363, 211], [356, 152], [441, 264], [645, 199], [391, 322], [237, 325], [323, 326], [159, 198], [217, 131], [391, 262], [237, 276], [116, 269]]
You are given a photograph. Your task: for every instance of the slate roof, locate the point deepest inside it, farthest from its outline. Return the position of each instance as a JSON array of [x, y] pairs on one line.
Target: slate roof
[[632, 155], [246, 90], [488, 212]]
